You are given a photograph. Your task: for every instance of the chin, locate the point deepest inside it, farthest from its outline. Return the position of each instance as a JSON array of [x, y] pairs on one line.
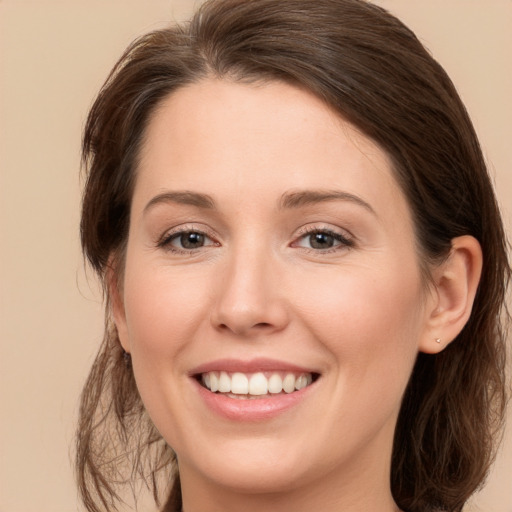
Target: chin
[[253, 467]]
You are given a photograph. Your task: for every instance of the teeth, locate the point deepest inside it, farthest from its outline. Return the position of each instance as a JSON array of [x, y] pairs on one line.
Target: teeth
[[275, 383], [224, 383], [239, 384], [207, 380], [301, 382], [256, 384], [214, 381], [289, 383]]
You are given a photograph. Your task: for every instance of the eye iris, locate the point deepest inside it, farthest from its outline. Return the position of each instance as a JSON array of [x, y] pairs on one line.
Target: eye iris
[[192, 240], [321, 240]]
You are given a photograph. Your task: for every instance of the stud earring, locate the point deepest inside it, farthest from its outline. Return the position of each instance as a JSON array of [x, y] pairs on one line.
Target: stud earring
[[438, 340]]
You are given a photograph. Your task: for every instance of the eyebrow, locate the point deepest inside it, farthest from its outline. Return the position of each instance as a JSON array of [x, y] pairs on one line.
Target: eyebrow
[[182, 197], [288, 200], [308, 197]]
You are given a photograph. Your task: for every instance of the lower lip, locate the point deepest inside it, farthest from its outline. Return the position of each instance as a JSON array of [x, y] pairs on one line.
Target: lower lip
[[258, 409]]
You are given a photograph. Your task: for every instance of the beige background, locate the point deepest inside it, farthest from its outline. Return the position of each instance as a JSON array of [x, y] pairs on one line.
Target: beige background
[[54, 56]]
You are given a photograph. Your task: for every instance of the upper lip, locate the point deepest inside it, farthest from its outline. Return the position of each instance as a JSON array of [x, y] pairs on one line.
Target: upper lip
[[249, 366]]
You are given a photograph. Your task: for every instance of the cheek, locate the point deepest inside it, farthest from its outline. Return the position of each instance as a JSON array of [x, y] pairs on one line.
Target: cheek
[[370, 322], [164, 308], [164, 311], [377, 325], [353, 299]]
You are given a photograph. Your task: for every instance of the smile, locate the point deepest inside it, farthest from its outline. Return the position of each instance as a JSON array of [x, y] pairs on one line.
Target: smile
[[240, 385]]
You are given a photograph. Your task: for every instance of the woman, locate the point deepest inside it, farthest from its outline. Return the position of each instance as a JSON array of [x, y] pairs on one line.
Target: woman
[[305, 269]]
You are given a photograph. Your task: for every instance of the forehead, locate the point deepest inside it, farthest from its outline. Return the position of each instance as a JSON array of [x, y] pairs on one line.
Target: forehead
[[237, 141]]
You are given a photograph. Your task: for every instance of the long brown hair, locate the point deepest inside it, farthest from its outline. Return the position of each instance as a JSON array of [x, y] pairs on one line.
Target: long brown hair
[[370, 68]]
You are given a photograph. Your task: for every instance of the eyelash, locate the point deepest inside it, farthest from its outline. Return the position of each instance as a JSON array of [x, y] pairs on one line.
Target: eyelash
[[166, 240], [344, 242]]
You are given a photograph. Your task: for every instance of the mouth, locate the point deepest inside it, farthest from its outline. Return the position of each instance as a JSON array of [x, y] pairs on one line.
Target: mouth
[[256, 390], [251, 386]]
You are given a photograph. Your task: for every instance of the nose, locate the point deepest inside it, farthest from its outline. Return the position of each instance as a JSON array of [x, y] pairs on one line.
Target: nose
[[250, 300]]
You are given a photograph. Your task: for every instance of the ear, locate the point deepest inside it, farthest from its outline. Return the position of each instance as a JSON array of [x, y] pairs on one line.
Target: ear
[[451, 301], [115, 294]]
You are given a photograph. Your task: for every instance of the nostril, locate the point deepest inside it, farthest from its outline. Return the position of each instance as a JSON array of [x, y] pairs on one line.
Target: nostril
[[241, 329]]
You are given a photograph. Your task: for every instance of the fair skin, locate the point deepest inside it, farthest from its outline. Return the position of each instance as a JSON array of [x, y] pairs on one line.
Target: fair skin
[[267, 235]]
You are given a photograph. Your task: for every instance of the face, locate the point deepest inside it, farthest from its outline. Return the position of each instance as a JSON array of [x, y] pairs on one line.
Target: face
[[272, 298]]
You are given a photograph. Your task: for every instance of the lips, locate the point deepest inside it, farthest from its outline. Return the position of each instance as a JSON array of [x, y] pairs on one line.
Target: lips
[[252, 390]]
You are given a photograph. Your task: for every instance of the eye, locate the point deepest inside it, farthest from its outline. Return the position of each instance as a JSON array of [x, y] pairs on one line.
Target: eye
[[189, 240], [186, 240], [323, 240]]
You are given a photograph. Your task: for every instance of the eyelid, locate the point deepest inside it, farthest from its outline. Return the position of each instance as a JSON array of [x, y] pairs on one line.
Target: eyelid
[[165, 239], [346, 239]]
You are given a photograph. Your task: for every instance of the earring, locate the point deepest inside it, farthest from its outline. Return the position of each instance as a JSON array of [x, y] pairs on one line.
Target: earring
[[438, 340], [127, 358]]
